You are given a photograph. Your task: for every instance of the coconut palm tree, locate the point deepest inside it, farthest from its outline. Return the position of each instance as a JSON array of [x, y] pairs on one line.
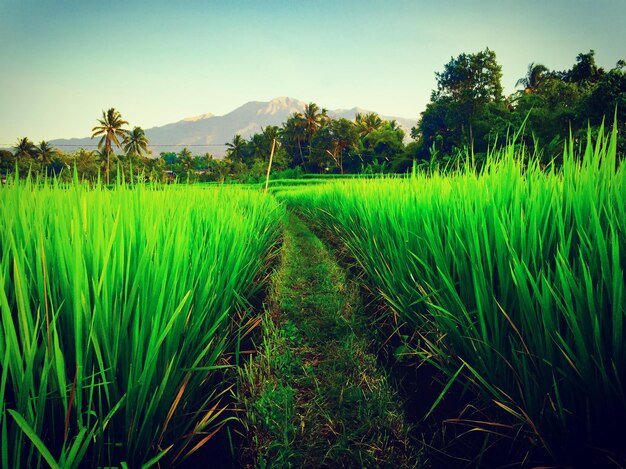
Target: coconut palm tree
[[393, 125], [314, 118], [293, 134], [534, 76], [258, 147], [45, 153], [236, 148], [260, 144], [186, 159], [135, 142], [24, 151], [110, 128], [367, 123], [270, 132], [24, 148], [343, 135]]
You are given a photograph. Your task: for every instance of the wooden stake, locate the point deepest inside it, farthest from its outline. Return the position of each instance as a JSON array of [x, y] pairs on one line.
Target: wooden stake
[[269, 166]]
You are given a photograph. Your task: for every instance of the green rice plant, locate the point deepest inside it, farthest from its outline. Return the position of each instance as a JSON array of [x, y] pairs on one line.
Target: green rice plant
[[119, 309], [512, 277]]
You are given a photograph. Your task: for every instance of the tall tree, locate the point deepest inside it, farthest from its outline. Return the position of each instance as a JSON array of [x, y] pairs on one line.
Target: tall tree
[[366, 123], [24, 152], [585, 70], [343, 136], [261, 144], [465, 89], [271, 132], [236, 148], [257, 148], [470, 78], [314, 118], [45, 153], [293, 135], [384, 143], [534, 76], [111, 130], [135, 142], [186, 159], [24, 148], [7, 162]]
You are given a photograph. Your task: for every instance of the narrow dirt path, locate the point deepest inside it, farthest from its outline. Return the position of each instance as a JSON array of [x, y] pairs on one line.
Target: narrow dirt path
[[314, 396]]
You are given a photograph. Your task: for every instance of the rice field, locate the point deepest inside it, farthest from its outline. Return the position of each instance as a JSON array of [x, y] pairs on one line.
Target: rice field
[[122, 308], [120, 311], [510, 279]]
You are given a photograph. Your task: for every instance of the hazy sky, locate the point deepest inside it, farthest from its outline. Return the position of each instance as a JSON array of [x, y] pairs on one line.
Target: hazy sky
[[62, 62]]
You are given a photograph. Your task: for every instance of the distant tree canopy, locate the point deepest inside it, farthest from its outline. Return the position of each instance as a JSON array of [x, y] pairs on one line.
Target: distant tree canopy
[[110, 129], [318, 143], [468, 110], [469, 91]]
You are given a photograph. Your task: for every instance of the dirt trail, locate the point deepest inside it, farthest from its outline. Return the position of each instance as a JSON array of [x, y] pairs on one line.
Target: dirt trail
[[314, 395]]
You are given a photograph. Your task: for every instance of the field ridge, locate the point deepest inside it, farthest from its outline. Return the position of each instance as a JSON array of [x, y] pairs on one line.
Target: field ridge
[[314, 395]]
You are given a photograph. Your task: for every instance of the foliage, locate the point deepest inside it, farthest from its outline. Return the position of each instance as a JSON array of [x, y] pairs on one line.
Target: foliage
[[118, 310], [535, 75], [511, 279], [314, 395], [111, 130], [24, 149], [468, 86], [467, 114], [470, 80], [136, 143], [467, 110], [7, 162]]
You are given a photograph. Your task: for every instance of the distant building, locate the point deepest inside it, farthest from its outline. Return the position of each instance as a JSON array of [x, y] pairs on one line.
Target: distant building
[[169, 176]]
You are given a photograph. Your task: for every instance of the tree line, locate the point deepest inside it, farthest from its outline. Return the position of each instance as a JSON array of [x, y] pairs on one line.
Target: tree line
[[467, 112], [43, 159]]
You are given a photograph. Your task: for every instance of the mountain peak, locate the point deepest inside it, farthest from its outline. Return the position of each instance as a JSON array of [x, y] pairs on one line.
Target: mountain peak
[[285, 101], [199, 117], [282, 104]]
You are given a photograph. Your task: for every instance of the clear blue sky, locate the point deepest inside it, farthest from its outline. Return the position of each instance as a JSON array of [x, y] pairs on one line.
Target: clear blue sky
[[63, 62]]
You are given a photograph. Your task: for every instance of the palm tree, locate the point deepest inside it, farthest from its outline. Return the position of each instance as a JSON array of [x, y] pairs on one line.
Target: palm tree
[[102, 159], [111, 130], [367, 123], [534, 76], [236, 148], [186, 159], [24, 148], [393, 125], [135, 142], [293, 133], [260, 144], [44, 152], [343, 135], [270, 132], [313, 118]]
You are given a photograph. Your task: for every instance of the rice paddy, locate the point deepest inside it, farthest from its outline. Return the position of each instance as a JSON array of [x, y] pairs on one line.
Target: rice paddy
[[122, 309], [510, 280]]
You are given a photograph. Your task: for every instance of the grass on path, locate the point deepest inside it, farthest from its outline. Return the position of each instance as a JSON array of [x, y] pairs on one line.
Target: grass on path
[[313, 395]]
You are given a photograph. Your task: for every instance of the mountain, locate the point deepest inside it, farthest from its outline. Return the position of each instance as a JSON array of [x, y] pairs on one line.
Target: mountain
[[209, 133]]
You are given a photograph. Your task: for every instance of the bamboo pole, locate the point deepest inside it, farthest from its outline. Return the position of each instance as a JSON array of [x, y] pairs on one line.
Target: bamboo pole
[[269, 166]]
